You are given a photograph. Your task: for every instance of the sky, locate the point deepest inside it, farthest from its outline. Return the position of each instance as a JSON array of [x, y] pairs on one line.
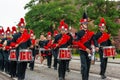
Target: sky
[[11, 11]]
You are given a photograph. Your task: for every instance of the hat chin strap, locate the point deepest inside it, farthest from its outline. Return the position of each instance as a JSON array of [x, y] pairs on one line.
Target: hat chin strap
[[82, 27]]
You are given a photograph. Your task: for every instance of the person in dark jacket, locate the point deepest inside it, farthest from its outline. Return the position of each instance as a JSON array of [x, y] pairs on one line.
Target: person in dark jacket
[[103, 39], [57, 36], [63, 45], [22, 41], [1, 51], [84, 42]]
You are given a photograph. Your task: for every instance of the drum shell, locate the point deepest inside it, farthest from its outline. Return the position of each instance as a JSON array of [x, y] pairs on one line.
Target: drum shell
[[25, 55], [12, 55], [109, 51], [64, 54]]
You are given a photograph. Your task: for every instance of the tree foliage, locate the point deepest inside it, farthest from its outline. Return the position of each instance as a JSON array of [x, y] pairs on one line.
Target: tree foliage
[[43, 14]]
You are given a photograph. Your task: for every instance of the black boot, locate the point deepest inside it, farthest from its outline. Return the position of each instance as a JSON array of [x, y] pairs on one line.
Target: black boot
[[103, 76]]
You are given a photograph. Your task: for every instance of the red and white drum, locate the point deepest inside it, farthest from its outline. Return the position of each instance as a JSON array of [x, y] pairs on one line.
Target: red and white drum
[[25, 55], [64, 54], [109, 51], [12, 56]]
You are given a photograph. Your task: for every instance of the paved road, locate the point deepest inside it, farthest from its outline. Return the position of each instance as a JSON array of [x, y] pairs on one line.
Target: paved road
[[44, 73], [4, 77], [113, 70]]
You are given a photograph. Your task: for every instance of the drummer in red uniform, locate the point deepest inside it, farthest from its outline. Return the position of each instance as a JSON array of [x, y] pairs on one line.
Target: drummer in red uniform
[[13, 61], [1, 51], [103, 39], [33, 41], [6, 51], [63, 46], [21, 42], [48, 47]]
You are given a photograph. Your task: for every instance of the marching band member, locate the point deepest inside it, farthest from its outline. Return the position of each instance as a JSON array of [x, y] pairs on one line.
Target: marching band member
[[6, 51], [70, 45], [1, 51], [21, 41], [103, 39], [57, 36], [13, 63], [63, 43], [33, 41], [48, 47], [84, 38]]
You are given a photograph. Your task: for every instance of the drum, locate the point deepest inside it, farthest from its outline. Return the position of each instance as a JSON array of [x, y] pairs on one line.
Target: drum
[[64, 54], [12, 55], [109, 51], [25, 55]]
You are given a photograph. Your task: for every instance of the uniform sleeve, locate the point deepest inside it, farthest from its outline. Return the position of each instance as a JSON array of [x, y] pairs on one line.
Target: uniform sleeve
[[71, 39], [80, 45], [8, 42], [29, 43], [95, 41], [79, 34], [97, 35], [109, 42]]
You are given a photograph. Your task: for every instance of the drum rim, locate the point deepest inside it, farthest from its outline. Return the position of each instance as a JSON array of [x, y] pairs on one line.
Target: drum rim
[[25, 50], [65, 49], [108, 47], [13, 50]]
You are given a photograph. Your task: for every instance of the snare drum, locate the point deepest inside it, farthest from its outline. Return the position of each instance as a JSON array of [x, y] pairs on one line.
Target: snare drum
[[109, 51], [12, 55], [64, 54], [25, 55]]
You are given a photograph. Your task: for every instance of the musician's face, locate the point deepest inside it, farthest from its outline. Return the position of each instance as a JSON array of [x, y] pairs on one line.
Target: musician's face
[[62, 31], [49, 37], [8, 35], [102, 28], [22, 29], [31, 37], [84, 26]]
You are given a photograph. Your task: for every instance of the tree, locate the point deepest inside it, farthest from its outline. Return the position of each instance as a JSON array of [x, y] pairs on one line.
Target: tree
[[41, 17], [43, 14]]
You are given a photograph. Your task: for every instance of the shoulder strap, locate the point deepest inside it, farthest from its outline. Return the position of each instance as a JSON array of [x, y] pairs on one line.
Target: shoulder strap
[[105, 36], [86, 37]]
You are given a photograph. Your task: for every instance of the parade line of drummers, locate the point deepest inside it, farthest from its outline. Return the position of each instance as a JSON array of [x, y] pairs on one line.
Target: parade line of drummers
[[20, 49]]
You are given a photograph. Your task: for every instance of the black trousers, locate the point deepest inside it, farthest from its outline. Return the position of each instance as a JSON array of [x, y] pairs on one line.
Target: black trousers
[[85, 65], [1, 65], [103, 63], [62, 68], [67, 64], [55, 63], [55, 54], [21, 69], [13, 65], [7, 66], [49, 60], [6, 61], [32, 63], [1, 61]]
